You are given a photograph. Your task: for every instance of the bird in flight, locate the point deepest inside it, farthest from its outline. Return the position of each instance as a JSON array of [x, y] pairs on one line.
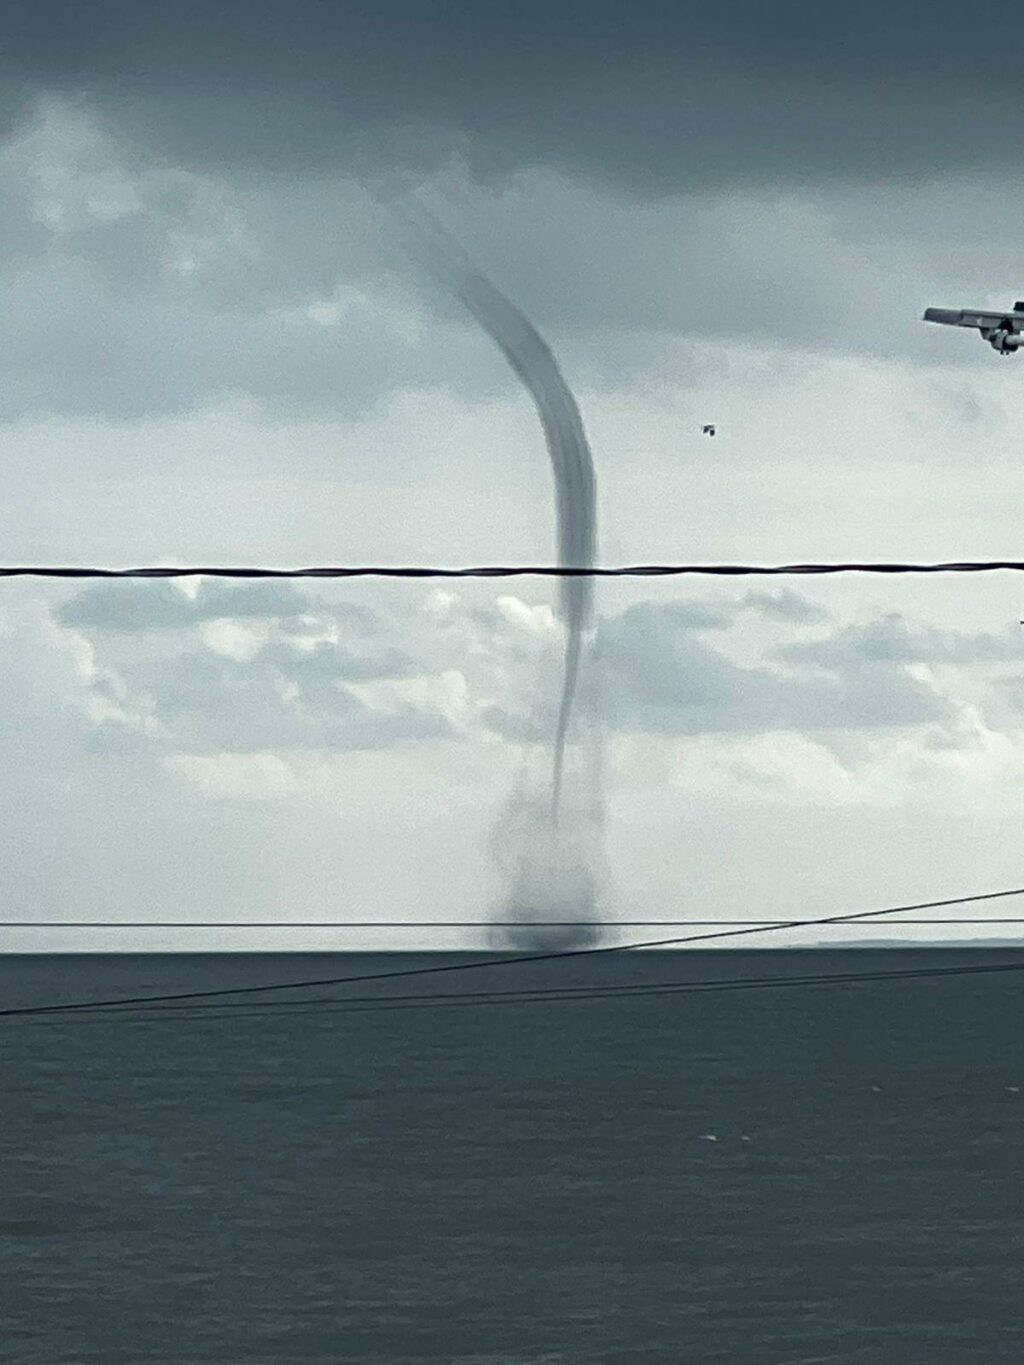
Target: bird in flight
[[708, 429]]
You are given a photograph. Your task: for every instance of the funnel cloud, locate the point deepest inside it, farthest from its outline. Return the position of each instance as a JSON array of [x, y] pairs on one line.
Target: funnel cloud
[[547, 844]]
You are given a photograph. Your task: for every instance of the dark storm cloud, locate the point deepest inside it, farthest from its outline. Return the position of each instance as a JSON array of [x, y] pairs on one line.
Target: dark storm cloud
[[98, 323], [653, 94], [133, 286]]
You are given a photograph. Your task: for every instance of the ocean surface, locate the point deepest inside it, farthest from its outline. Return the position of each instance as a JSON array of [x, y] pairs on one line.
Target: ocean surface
[[773, 1176]]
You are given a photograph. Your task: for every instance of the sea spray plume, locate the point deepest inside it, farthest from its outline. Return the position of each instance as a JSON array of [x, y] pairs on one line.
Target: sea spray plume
[[550, 871], [547, 847]]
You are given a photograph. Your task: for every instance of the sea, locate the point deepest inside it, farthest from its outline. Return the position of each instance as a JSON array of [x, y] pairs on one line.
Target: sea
[[774, 1169]]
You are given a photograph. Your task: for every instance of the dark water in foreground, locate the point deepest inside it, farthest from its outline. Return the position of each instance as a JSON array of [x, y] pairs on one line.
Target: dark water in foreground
[[517, 1184]]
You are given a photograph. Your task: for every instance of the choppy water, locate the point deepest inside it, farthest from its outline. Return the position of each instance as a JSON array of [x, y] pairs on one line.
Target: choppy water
[[514, 1185]]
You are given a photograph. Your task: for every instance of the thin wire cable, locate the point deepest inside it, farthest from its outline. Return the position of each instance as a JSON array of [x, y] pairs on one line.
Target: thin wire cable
[[435, 923], [514, 570], [582, 992], [477, 964], [581, 995], [537, 996]]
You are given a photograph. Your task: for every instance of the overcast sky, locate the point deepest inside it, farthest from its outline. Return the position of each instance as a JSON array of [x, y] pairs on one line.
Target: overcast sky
[[215, 349]]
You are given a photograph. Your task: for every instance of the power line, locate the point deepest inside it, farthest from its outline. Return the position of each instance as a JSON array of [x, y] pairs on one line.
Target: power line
[[539, 995], [572, 995], [443, 923], [516, 571], [594, 992], [477, 964]]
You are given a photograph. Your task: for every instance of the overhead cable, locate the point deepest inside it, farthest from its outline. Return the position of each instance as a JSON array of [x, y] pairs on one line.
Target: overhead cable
[[251, 1009], [515, 570], [493, 963]]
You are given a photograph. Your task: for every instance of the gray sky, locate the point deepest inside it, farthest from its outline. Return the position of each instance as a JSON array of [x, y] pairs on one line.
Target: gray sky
[[215, 349]]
